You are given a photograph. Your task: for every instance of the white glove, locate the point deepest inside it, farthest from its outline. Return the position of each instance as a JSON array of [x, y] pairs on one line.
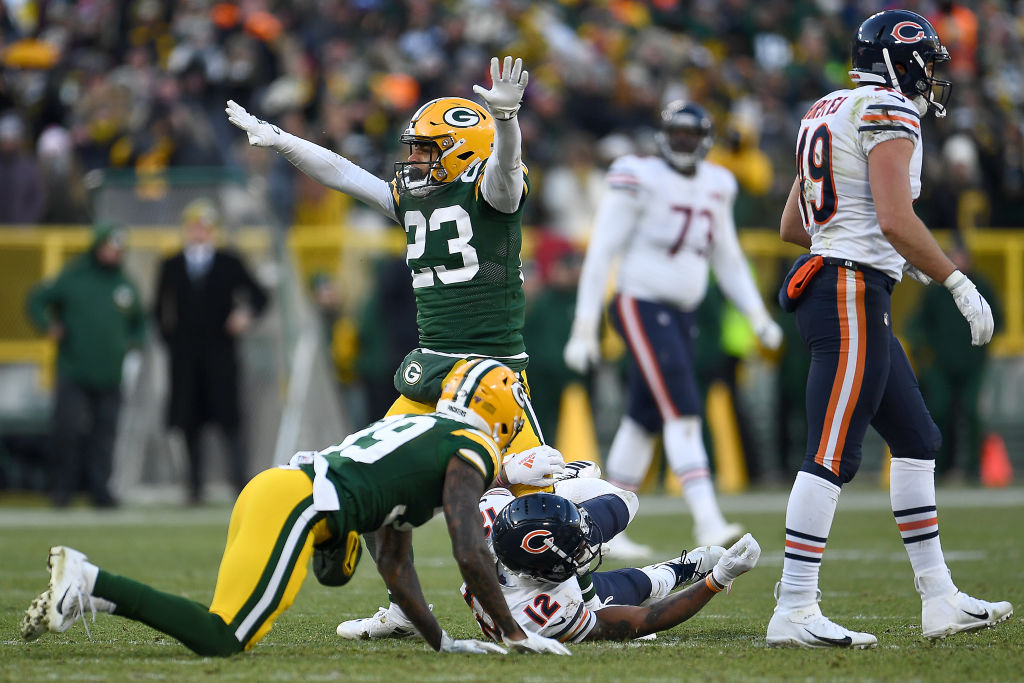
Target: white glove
[[535, 466], [535, 642], [507, 87], [583, 348], [767, 330], [469, 647], [738, 559], [261, 133], [916, 273], [972, 306]]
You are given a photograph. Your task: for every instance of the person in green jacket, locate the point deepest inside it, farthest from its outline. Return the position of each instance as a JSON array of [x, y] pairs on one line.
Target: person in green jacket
[[92, 310], [951, 371]]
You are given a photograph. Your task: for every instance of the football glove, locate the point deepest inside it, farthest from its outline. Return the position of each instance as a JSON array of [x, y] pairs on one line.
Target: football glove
[[767, 330], [534, 642], [583, 348], [535, 466], [507, 88], [972, 306], [469, 647], [916, 273], [738, 559], [260, 133]]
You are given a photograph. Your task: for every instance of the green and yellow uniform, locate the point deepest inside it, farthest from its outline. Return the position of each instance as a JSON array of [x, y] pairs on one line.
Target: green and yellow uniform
[[390, 473], [467, 276]]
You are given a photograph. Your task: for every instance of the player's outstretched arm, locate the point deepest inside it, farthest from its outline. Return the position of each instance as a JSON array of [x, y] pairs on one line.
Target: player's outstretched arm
[[627, 623], [322, 165], [463, 487], [502, 184]]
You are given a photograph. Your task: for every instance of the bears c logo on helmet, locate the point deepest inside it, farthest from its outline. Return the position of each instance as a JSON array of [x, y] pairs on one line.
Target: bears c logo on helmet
[[461, 117], [908, 32], [540, 535]]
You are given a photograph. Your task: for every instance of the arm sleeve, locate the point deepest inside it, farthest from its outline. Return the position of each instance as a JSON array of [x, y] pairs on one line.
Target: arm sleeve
[[257, 295], [38, 303], [612, 227], [730, 265], [338, 173], [502, 184]]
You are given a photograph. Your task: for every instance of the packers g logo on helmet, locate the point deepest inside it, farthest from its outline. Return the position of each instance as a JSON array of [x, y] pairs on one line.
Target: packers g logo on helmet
[[461, 117], [487, 395], [460, 133]]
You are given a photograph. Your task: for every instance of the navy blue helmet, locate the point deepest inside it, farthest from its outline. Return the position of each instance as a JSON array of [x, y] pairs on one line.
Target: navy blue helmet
[[546, 537], [901, 38], [686, 134]]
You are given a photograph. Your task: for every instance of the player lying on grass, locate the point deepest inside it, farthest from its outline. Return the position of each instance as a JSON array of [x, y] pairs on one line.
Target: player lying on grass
[[388, 478], [545, 542]]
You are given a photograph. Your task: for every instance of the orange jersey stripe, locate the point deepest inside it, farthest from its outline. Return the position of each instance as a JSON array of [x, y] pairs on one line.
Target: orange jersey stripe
[[883, 117], [920, 524]]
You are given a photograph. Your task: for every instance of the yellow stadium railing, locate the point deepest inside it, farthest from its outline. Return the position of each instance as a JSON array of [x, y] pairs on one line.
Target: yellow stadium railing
[[28, 255]]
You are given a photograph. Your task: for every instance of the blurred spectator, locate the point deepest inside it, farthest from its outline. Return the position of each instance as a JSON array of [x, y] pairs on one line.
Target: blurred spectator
[[21, 188], [92, 310], [382, 347], [62, 179], [951, 371], [548, 321], [205, 300], [572, 190]]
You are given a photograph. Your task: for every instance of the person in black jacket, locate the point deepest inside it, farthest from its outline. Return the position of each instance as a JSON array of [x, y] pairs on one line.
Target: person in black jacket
[[205, 300]]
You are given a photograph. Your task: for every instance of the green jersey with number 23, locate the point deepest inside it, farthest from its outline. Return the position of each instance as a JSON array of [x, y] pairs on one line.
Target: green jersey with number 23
[[466, 269]]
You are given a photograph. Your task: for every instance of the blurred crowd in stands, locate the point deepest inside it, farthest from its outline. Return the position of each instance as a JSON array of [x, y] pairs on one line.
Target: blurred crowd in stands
[[142, 84]]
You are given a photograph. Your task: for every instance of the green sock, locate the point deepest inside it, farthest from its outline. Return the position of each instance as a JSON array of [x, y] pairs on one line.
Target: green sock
[[586, 583], [193, 624]]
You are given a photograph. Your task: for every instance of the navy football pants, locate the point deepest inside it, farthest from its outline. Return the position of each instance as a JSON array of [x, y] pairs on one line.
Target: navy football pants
[[859, 375]]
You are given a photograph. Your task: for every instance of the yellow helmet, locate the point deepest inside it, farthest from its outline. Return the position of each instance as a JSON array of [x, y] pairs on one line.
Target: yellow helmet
[[462, 132], [487, 395]]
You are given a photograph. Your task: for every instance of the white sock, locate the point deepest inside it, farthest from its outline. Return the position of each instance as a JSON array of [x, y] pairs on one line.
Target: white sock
[[812, 505], [629, 456], [912, 495], [91, 571], [684, 450], [663, 580]]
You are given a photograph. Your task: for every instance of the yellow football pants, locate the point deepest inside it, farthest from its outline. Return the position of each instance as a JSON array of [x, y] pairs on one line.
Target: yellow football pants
[[271, 536]]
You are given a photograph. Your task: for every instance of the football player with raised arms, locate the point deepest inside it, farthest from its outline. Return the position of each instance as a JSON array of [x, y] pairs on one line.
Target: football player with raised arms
[[386, 479], [858, 171], [670, 218], [459, 196]]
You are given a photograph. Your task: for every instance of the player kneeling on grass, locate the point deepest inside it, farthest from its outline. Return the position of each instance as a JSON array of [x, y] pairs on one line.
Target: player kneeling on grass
[[388, 478]]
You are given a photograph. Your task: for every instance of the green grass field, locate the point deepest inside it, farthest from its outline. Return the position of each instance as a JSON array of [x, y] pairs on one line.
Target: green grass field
[[867, 580]]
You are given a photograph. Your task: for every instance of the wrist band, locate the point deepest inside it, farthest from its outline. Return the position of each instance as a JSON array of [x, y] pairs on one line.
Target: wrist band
[[712, 585]]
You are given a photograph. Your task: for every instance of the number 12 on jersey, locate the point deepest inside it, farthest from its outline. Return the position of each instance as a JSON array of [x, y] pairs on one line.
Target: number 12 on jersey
[[814, 171]]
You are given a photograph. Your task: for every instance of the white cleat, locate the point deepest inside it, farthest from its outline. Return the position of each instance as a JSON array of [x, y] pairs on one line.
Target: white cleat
[[724, 536], [808, 627], [388, 622], [580, 469], [60, 606], [622, 547], [699, 562], [945, 614]]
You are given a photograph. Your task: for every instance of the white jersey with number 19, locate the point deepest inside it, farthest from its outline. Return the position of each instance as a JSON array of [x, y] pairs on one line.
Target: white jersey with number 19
[[836, 136]]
